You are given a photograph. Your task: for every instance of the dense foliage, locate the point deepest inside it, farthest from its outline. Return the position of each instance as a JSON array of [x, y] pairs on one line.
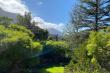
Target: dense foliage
[[93, 56], [99, 48], [85, 48], [5, 20], [55, 52], [16, 45]]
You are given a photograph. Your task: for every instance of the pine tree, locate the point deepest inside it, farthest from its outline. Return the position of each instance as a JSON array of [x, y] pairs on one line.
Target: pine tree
[[97, 13], [6, 21], [26, 20]]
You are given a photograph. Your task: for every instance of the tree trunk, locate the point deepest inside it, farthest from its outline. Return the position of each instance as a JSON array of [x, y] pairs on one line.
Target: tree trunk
[[96, 16]]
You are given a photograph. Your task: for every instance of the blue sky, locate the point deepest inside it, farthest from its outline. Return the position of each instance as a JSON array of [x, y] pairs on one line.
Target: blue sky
[[54, 11]]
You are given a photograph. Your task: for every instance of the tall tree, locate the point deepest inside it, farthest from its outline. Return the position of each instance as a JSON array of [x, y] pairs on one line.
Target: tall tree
[[5, 20], [73, 34], [97, 13], [26, 21]]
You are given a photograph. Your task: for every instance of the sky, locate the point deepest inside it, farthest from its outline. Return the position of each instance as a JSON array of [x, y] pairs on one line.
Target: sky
[[55, 11], [50, 13]]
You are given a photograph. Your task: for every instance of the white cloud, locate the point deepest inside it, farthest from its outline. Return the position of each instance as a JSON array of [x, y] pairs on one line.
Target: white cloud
[[46, 25], [14, 6]]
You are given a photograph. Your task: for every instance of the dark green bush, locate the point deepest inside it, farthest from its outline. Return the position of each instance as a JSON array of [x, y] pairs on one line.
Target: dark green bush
[[55, 52]]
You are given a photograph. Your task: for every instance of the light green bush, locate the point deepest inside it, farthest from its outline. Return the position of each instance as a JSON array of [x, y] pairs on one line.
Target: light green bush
[[16, 27], [60, 47], [16, 46], [92, 56], [101, 51]]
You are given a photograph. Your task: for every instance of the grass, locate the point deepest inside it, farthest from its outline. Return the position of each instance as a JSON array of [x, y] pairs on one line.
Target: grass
[[55, 70]]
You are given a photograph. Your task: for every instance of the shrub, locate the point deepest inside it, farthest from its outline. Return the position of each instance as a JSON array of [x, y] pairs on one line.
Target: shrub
[[16, 46], [92, 56], [16, 27], [100, 50], [58, 47], [55, 52]]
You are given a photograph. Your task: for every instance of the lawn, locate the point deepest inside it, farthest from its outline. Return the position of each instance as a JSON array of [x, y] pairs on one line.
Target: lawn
[[55, 70]]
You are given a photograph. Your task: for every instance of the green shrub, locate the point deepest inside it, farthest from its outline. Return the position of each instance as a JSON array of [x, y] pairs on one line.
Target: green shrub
[[57, 45], [55, 52], [16, 27], [16, 46], [92, 56], [101, 49], [60, 47]]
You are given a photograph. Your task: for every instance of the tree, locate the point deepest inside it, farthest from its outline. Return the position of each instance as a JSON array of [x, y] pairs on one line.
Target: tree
[[26, 20], [73, 33], [5, 20], [96, 13], [40, 34], [76, 18]]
